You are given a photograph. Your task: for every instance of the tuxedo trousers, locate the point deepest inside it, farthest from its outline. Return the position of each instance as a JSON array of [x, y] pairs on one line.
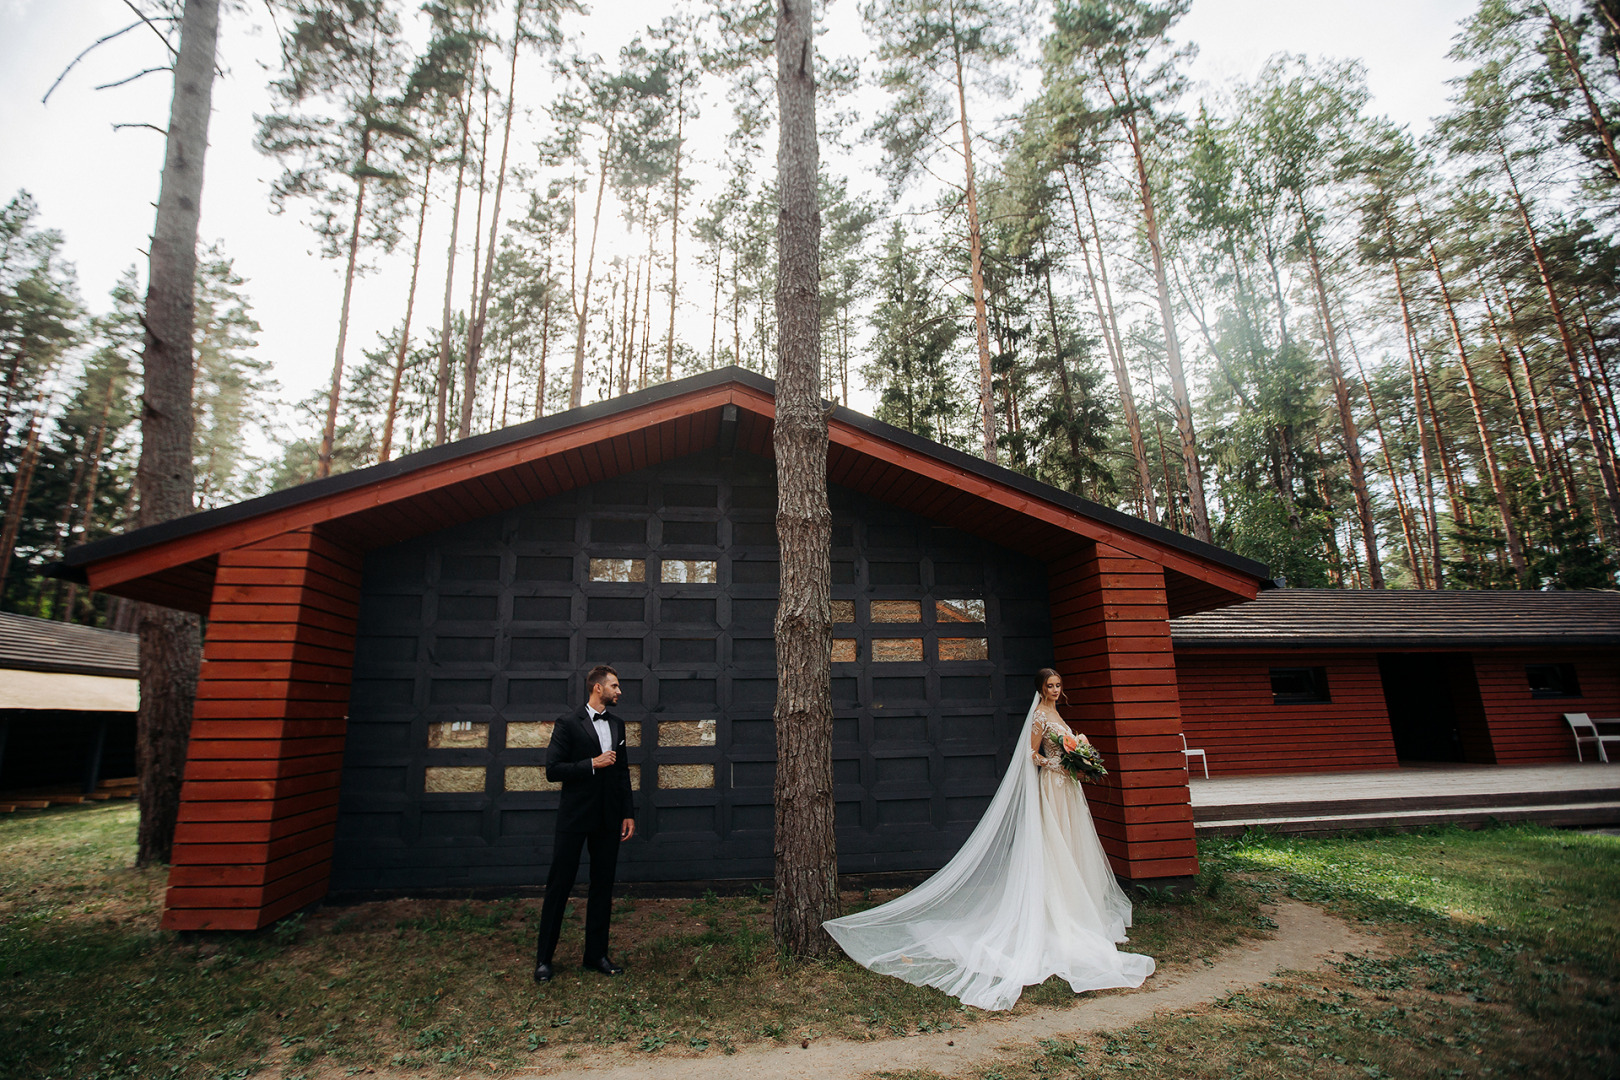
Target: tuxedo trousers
[[604, 848]]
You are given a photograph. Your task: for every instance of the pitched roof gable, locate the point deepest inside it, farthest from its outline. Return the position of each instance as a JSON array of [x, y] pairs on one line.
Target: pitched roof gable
[[173, 562]]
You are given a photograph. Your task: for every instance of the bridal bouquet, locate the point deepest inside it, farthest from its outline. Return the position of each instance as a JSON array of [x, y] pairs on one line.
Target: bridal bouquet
[[1081, 761]]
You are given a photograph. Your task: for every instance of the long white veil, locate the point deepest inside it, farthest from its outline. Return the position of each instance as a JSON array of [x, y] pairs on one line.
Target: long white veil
[[979, 929]]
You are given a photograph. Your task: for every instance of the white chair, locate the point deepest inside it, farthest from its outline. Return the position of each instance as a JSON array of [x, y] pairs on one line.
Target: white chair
[[1585, 731], [1203, 758]]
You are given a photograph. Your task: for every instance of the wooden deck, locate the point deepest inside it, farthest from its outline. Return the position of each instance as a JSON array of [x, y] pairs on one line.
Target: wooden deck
[[1566, 795]]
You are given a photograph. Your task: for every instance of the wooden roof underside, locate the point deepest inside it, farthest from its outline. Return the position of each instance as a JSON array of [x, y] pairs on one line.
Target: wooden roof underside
[[180, 572]]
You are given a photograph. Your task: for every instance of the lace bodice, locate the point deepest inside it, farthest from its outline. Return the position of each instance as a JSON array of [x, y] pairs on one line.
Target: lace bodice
[[1052, 732]]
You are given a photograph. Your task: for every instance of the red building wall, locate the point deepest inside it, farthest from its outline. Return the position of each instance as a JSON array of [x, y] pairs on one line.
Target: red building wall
[[1527, 729], [1111, 637], [1227, 711]]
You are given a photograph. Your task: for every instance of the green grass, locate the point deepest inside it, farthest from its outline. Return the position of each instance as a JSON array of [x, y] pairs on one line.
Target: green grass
[[1499, 956], [94, 990]]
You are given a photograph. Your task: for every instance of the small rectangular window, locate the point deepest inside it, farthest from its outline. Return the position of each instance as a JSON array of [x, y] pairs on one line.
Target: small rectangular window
[[453, 779], [896, 649], [1552, 680], [964, 648], [843, 611], [685, 776], [1299, 685], [528, 734], [843, 650], [689, 571], [529, 778], [896, 611], [686, 733], [959, 611], [457, 735], [618, 570]]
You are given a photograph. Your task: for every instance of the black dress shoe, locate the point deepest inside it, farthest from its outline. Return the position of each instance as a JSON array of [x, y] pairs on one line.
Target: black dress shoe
[[605, 965], [542, 973]]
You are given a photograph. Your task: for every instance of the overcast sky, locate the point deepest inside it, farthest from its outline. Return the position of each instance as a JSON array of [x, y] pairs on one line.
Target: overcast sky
[[97, 185]]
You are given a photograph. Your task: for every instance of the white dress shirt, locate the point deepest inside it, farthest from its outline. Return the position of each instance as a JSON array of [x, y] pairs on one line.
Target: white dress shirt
[[604, 736]]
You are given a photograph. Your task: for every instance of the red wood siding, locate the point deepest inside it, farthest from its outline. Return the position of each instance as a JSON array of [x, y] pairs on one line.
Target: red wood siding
[[1525, 728], [1111, 637], [1227, 708], [258, 805]]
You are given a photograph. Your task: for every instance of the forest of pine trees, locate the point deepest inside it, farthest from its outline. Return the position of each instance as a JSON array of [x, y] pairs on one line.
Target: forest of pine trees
[[1260, 314]]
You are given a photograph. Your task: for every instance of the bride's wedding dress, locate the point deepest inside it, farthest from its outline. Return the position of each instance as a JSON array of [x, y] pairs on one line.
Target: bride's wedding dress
[[1029, 895]]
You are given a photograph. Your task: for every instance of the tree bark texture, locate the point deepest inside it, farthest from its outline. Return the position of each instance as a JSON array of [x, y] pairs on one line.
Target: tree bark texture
[[1589, 412], [1347, 420], [1109, 324], [981, 318], [410, 309], [1487, 443], [1172, 345], [1437, 567], [806, 852], [441, 412], [475, 336], [170, 644]]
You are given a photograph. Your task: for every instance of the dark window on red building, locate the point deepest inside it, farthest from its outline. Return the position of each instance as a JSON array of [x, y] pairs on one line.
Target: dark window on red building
[[1299, 685], [1552, 680]]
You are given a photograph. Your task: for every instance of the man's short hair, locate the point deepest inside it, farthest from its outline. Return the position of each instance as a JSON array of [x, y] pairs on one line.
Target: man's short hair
[[598, 675]]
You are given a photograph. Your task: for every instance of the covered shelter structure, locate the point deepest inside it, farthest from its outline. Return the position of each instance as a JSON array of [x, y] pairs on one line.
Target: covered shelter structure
[[385, 651], [68, 699], [1313, 680]]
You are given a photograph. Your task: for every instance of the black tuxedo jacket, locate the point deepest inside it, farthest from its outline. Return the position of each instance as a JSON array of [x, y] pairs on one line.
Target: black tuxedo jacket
[[591, 798]]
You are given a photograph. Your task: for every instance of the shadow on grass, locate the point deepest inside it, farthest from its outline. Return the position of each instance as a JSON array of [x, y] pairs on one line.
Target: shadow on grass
[[95, 991]]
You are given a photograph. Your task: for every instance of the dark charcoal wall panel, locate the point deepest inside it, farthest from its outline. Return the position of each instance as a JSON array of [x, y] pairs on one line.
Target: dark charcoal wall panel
[[492, 624]]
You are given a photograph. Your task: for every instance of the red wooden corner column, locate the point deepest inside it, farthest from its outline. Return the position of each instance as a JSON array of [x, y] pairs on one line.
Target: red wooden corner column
[[1111, 637], [258, 806]]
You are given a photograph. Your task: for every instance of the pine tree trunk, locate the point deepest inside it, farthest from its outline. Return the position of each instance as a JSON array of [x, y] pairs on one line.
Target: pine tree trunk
[[981, 318], [469, 377], [170, 645], [1412, 558], [1438, 566], [475, 337], [1172, 354], [21, 484], [714, 322], [441, 427], [675, 231], [545, 347], [1341, 395], [405, 333], [1505, 363], [1108, 322], [1062, 368], [323, 463], [1589, 413], [582, 305], [1574, 61], [1557, 463], [806, 852], [1486, 444]]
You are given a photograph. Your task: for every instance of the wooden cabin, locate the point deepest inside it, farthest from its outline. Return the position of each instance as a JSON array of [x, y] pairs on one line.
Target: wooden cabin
[[1311, 680], [386, 649], [68, 699]]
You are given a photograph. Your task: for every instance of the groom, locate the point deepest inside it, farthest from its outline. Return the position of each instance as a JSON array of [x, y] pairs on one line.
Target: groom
[[597, 810]]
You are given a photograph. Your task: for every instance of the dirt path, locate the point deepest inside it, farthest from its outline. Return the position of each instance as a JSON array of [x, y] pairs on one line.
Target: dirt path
[[1305, 936]]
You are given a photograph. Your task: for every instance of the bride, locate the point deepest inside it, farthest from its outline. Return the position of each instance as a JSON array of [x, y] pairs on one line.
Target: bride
[[1029, 895]]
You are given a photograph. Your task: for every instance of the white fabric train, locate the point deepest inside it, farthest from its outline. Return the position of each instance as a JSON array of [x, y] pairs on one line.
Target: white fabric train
[[1021, 901]]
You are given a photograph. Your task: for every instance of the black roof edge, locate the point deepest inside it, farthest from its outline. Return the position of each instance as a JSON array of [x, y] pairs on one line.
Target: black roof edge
[[70, 566]]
